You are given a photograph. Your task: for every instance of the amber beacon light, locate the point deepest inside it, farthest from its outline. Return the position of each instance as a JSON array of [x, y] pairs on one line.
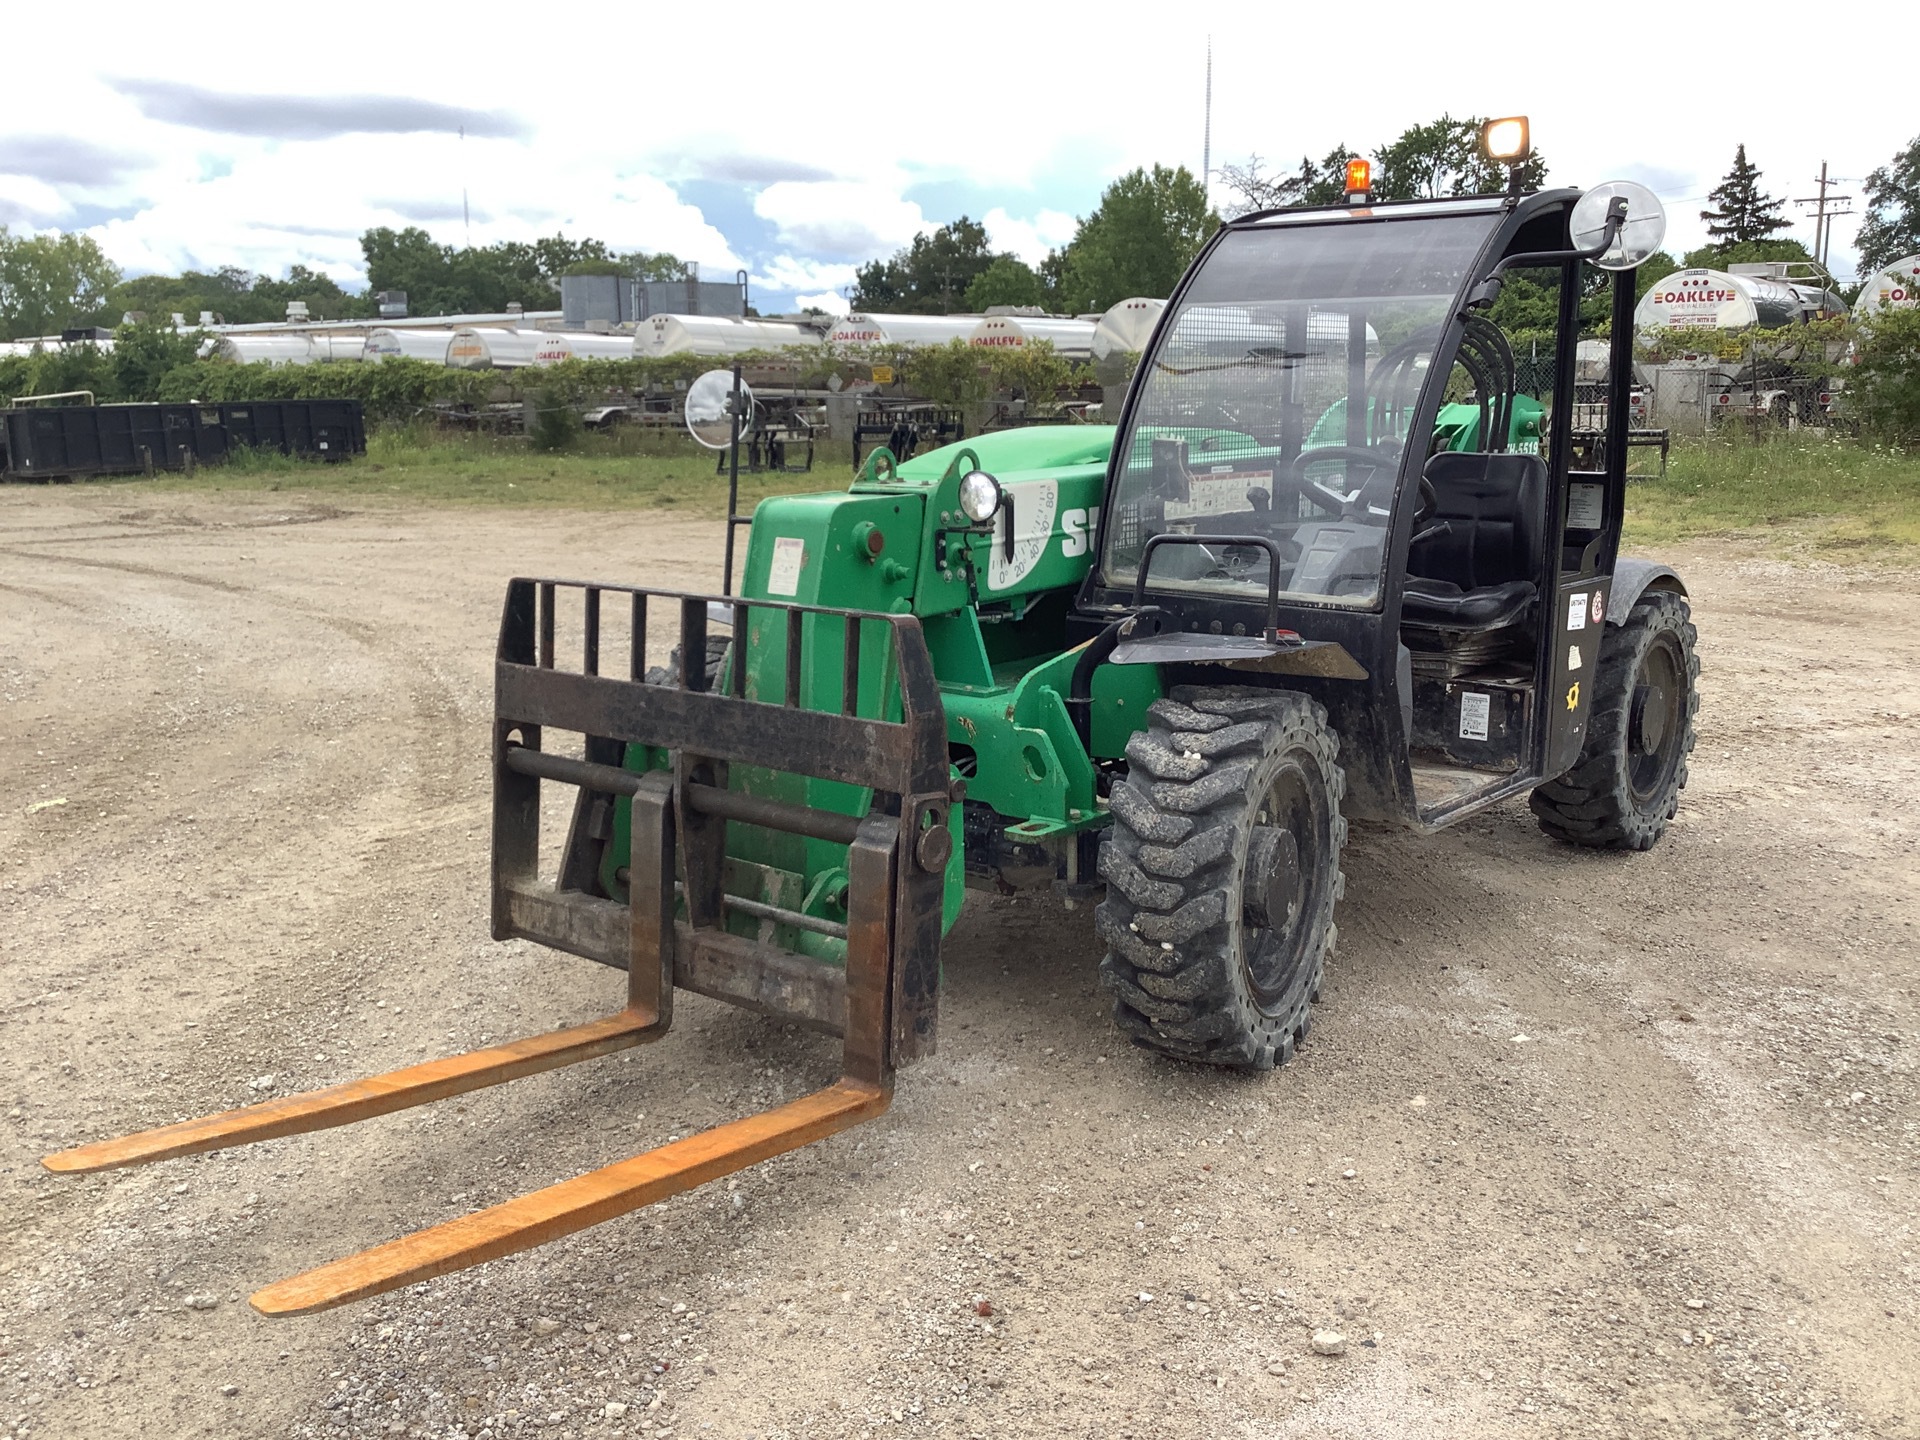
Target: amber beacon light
[[1359, 180]]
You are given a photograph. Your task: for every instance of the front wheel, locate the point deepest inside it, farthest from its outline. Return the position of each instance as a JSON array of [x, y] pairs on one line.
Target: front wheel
[[1626, 785], [1222, 870]]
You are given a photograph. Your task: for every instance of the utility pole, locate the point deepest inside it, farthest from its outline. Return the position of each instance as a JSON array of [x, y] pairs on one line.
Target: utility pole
[[1206, 141], [1826, 208]]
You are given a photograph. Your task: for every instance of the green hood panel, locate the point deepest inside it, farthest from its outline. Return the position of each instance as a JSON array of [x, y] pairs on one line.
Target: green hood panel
[[1032, 447]]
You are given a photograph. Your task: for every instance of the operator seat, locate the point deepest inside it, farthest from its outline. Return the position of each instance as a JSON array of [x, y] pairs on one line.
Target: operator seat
[[1474, 572]]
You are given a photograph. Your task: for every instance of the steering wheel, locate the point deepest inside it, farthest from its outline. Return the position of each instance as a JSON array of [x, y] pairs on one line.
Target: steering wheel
[[1375, 458], [1429, 504]]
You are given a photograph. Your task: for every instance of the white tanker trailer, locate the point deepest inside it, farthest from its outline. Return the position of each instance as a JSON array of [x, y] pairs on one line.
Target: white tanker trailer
[[1733, 300], [408, 344], [288, 347], [554, 347], [330, 346], [1777, 379], [903, 329], [717, 335], [1069, 337], [1895, 288], [476, 348], [1120, 336]]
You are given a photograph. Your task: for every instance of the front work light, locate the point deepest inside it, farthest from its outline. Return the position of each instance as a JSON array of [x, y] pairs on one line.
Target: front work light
[[979, 496], [1359, 177], [1506, 140]]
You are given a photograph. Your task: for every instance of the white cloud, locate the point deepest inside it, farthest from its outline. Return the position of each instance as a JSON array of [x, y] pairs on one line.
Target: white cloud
[[1029, 239], [828, 300], [267, 211], [25, 200], [840, 219], [794, 272], [1036, 139]]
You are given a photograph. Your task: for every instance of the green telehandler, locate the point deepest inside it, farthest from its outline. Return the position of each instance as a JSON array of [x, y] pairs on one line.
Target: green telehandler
[[1335, 561]]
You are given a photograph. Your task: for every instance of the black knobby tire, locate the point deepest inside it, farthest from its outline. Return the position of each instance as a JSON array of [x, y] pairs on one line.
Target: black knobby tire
[[1222, 870], [669, 673], [1626, 785]]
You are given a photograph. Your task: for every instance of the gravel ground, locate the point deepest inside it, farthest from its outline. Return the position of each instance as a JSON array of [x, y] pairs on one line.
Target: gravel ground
[[1582, 1144]]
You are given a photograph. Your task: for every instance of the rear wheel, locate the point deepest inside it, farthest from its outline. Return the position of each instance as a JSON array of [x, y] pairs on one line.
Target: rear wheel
[[1222, 870], [1626, 785]]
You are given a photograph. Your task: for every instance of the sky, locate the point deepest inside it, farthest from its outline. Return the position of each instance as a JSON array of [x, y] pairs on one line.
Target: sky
[[799, 148]]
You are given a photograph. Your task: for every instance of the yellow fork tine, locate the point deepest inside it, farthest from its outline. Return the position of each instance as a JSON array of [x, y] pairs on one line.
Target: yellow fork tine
[[359, 1099], [575, 1204]]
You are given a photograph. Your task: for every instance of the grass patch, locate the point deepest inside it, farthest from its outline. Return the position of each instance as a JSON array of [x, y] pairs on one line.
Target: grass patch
[[1798, 493], [622, 469], [1803, 492]]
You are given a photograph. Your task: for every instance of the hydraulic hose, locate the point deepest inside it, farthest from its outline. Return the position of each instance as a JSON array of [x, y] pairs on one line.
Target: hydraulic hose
[[1080, 687]]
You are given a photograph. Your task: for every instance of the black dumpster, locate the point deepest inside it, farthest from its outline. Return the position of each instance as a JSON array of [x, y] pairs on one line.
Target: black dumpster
[[67, 441]]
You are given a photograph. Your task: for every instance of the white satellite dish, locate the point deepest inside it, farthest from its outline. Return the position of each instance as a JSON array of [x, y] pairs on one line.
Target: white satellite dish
[[1639, 237], [710, 409]]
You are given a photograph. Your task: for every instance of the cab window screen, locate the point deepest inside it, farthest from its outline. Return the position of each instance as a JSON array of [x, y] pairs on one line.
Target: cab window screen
[[1292, 340]]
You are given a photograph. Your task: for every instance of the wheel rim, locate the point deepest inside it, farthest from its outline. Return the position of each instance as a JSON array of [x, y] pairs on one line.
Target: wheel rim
[[1656, 720], [1280, 886]]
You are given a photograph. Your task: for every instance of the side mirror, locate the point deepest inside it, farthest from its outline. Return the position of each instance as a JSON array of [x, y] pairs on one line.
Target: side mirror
[[1638, 234]]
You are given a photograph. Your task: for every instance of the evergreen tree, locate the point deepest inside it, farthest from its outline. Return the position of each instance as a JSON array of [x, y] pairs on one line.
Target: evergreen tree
[[1741, 212]]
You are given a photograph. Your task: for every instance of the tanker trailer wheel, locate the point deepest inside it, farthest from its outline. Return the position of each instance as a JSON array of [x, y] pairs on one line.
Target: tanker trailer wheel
[[1222, 870], [1626, 785]]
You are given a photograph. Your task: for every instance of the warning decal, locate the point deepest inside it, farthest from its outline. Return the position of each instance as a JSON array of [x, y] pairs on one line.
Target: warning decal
[[1474, 708], [783, 575]]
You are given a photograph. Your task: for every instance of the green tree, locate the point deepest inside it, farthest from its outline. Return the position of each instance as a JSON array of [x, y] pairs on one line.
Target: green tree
[[954, 374], [235, 295], [73, 367], [652, 265], [1009, 280], [1740, 211], [1891, 227], [1442, 158], [48, 282], [1139, 240], [931, 276], [321, 294], [1321, 182], [1883, 386], [1658, 266], [442, 280], [145, 352], [1746, 252]]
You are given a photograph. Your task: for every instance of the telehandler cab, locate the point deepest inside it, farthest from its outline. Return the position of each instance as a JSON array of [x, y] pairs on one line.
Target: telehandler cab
[[1333, 562]]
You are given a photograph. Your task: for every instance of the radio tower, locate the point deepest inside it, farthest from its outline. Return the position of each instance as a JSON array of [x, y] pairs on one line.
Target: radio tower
[[1206, 141]]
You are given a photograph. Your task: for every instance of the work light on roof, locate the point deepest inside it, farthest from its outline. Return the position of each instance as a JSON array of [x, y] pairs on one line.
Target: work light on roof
[[1506, 140]]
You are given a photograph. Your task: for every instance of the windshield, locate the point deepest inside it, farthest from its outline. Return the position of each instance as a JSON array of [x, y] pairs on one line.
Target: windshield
[[1278, 401]]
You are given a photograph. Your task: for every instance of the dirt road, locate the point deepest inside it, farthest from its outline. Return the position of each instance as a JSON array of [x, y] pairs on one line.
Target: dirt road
[[1582, 1144]]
